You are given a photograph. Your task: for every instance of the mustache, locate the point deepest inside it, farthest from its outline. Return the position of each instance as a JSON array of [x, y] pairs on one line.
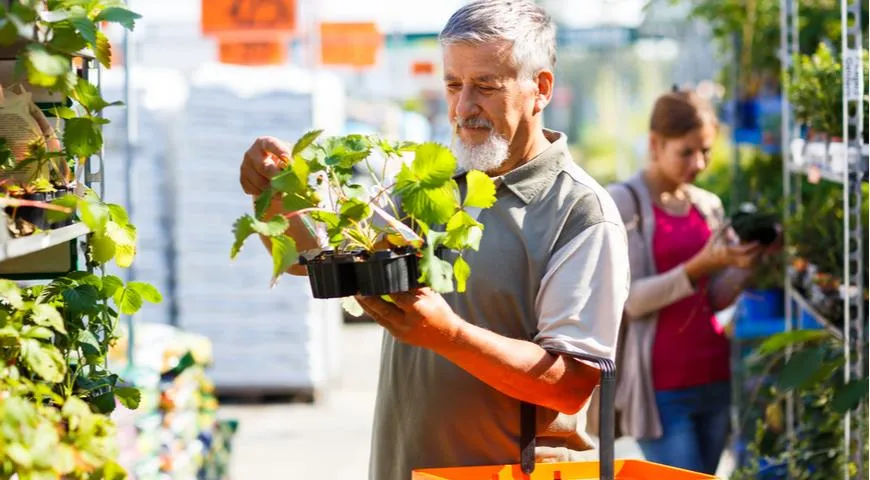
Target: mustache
[[473, 122]]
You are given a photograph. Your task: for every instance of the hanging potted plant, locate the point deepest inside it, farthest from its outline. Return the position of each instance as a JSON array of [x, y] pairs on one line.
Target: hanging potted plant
[[398, 235]]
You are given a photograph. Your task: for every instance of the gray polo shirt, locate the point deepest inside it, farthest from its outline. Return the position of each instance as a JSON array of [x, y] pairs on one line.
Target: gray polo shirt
[[552, 268]]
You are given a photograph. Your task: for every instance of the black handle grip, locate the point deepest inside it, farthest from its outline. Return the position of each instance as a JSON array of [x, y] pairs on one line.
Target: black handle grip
[[606, 440]]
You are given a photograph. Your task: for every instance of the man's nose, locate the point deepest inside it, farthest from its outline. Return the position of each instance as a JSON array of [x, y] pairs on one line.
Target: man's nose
[[466, 106]]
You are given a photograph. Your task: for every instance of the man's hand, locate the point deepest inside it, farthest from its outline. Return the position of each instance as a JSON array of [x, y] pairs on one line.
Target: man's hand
[[420, 317], [262, 162]]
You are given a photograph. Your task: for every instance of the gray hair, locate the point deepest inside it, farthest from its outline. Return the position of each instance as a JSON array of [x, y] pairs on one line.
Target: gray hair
[[527, 26]]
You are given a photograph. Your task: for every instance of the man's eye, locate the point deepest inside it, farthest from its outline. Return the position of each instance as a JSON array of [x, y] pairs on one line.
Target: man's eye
[[487, 88]]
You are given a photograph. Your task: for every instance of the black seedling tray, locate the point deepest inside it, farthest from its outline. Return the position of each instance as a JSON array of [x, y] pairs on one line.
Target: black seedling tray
[[38, 216], [331, 274], [387, 271]]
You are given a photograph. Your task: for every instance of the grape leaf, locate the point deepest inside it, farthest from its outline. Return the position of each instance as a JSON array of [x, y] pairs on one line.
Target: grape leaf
[[86, 28], [305, 141], [128, 300], [432, 205], [463, 232], [242, 229], [119, 15], [261, 204], [481, 190], [433, 165], [147, 291], [284, 255], [48, 316], [43, 359], [82, 136], [435, 272], [103, 50], [111, 284], [82, 298], [129, 397], [355, 210], [461, 271]]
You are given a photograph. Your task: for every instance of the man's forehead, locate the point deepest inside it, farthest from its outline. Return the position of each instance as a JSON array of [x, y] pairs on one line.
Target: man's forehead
[[478, 62]]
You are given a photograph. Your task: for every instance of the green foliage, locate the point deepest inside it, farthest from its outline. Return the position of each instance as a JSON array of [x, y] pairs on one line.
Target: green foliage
[[814, 374], [54, 339], [425, 191]]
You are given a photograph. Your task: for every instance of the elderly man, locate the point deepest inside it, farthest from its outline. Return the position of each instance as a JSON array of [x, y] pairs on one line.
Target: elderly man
[[551, 273]]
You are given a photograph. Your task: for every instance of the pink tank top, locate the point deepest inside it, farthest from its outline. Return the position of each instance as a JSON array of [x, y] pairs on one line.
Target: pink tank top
[[690, 348]]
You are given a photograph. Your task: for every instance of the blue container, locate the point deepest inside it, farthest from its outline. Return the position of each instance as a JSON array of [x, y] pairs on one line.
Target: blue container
[[762, 304], [807, 321]]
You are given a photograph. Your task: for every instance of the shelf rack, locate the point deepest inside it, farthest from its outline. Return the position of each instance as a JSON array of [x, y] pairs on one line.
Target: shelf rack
[[816, 161]]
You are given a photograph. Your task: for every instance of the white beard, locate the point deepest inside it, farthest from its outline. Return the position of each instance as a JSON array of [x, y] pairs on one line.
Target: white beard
[[486, 157]]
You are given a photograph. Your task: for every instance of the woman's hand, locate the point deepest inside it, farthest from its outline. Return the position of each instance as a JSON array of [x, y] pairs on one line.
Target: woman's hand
[[720, 253]]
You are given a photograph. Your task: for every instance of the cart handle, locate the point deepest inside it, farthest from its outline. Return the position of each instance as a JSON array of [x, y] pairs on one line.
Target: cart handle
[[606, 418]]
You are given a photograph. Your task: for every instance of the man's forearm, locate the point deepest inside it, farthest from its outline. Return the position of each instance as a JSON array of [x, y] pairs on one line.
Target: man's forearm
[[521, 369]]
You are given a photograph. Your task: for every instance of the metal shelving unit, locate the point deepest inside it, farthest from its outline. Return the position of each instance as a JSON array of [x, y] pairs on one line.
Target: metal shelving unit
[[18, 247], [817, 161]]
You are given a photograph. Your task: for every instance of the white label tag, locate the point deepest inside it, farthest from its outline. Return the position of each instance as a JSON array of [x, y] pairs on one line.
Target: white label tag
[[852, 69]]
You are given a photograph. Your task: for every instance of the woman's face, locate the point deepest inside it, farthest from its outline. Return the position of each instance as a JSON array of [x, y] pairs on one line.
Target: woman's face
[[680, 160]]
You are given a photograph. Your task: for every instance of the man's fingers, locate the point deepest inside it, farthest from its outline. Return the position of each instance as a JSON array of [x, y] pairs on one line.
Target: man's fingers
[[251, 188], [378, 306], [276, 152]]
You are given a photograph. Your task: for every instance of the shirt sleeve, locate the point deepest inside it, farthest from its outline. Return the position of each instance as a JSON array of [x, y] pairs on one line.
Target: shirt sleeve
[[580, 302]]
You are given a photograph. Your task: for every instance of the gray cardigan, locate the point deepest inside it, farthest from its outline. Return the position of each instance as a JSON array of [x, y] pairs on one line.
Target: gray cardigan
[[650, 292]]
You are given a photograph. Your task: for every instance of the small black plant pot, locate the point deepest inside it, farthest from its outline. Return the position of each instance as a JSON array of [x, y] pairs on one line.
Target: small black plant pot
[[36, 216], [332, 274], [755, 227], [388, 271]]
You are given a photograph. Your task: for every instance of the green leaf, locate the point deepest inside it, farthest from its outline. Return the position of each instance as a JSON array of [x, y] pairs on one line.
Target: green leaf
[[104, 403], [294, 179], [43, 359], [433, 165], [305, 141], [284, 255], [82, 299], [65, 38], [47, 316], [780, 341], [433, 206], [461, 271], [82, 137], [129, 397], [242, 229], [110, 471], [800, 368], [8, 332], [849, 396], [128, 300], [481, 190], [88, 95], [117, 214], [294, 202], [435, 272], [36, 332], [329, 219], [463, 231], [45, 69], [146, 291], [118, 15], [343, 153], [355, 210], [62, 112], [86, 28], [124, 237], [111, 284], [103, 50], [352, 307], [273, 228], [89, 344], [11, 294], [102, 248], [68, 201], [20, 455], [261, 204]]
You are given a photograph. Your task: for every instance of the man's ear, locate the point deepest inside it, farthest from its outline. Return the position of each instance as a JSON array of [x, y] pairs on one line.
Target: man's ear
[[655, 143], [544, 90]]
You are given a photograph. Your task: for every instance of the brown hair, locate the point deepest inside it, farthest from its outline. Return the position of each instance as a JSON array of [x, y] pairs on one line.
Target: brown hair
[[677, 113]]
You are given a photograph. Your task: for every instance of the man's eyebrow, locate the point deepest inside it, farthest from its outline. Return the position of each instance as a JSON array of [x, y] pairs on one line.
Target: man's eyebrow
[[488, 78]]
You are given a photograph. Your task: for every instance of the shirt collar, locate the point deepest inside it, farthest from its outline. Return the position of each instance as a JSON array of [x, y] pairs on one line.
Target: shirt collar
[[530, 178]]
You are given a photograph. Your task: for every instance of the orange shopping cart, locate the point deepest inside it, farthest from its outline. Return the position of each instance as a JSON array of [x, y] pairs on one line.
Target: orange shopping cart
[[605, 469]]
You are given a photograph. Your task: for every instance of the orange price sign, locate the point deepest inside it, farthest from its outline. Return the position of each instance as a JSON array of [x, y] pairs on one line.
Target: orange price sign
[[248, 16], [350, 44], [423, 68], [253, 53]]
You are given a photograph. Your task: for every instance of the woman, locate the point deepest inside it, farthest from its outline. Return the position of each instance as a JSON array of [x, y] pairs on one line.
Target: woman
[[673, 391]]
